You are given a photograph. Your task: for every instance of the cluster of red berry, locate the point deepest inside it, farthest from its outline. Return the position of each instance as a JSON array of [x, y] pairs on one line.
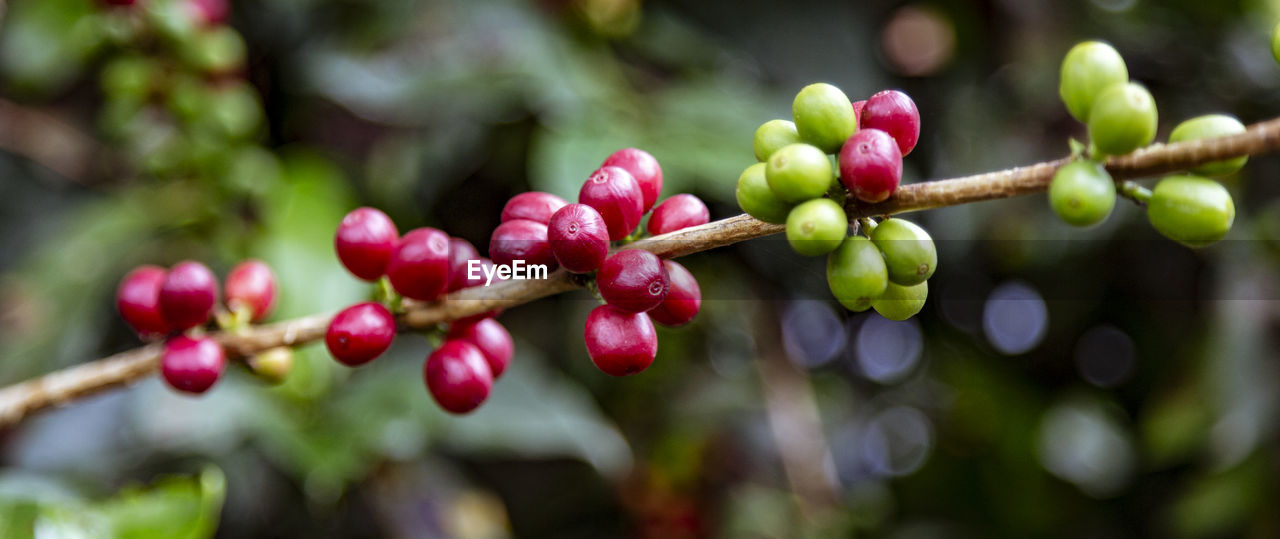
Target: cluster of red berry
[[871, 159]]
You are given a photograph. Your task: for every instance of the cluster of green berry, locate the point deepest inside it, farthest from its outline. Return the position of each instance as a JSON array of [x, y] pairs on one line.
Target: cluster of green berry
[[1121, 117], [835, 149]]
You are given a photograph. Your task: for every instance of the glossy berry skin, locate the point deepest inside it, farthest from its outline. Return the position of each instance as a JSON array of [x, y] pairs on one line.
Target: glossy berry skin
[[620, 343], [816, 227], [188, 295], [683, 300], [901, 302], [457, 376], [798, 172], [360, 333], [251, 285], [856, 273], [521, 239], [823, 116], [771, 136], [579, 238], [1208, 126], [192, 365], [533, 205], [757, 199], [138, 300], [677, 212], [894, 113], [1123, 119], [871, 165], [364, 242], [1082, 193], [488, 336], [633, 280], [1088, 69], [460, 253], [909, 254], [644, 169], [614, 193], [1191, 210], [419, 266]]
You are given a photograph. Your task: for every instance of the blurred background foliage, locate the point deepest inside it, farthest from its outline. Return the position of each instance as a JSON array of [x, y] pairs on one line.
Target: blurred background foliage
[[1060, 382]]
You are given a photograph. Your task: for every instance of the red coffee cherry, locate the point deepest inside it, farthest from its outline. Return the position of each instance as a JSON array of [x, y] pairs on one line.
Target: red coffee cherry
[[535, 206], [458, 376], [138, 300], [619, 342], [460, 253], [579, 238], [870, 165], [643, 168], [521, 239], [188, 295], [252, 285], [858, 106], [633, 280], [683, 301], [209, 12], [614, 193], [895, 113], [677, 212], [364, 242], [192, 365], [419, 266], [490, 337], [360, 333]]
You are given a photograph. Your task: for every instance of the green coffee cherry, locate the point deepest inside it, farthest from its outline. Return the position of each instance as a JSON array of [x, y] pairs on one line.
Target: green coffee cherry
[[1208, 126], [129, 77], [1088, 69], [755, 197], [901, 302], [824, 116], [1191, 210], [216, 50], [773, 135], [1123, 119], [856, 273], [816, 227], [909, 253], [1082, 193], [798, 172], [272, 365]]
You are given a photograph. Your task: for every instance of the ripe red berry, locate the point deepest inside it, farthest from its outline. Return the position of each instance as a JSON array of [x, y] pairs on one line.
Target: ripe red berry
[[534, 205], [192, 365], [251, 285], [857, 109], [364, 242], [521, 239], [460, 253], [643, 168], [633, 280], [870, 165], [619, 342], [683, 301], [209, 12], [614, 193], [579, 238], [138, 300], [458, 376], [188, 295], [490, 337], [895, 113], [677, 212], [419, 266], [360, 333]]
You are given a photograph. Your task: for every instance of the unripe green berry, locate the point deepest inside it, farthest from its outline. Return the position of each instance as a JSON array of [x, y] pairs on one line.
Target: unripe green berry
[[856, 273], [798, 172], [901, 302], [816, 227], [272, 365], [909, 253], [755, 197], [1191, 210], [1208, 126], [130, 77], [773, 135], [1088, 69], [1082, 193], [824, 116], [1123, 119]]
